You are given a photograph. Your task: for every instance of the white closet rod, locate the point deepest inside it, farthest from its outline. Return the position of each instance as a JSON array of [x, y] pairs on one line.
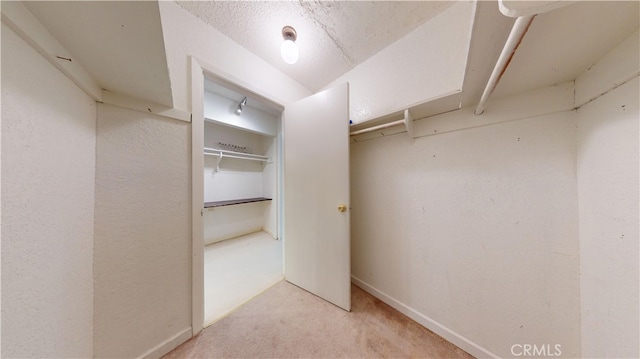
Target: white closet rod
[[244, 158], [378, 127], [231, 154], [221, 155], [518, 31]]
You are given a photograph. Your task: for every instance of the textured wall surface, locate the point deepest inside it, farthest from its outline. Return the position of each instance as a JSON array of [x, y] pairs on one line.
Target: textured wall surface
[[475, 229], [608, 198], [48, 166], [142, 257], [232, 221]]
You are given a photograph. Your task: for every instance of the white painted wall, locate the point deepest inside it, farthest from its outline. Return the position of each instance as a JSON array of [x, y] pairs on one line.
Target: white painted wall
[[515, 227], [232, 178], [187, 35], [48, 166], [227, 222], [237, 178], [428, 63], [142, 256], [607, 170], [221, 109], [270, 187], [473, 232]]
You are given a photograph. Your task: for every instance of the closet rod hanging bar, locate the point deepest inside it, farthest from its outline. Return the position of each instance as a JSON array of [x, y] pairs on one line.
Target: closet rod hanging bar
[[232, 154], [378, 127], [519, 29], [244, 158]]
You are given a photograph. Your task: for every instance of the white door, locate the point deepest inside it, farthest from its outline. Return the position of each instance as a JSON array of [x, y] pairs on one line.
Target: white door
[[316, 195]]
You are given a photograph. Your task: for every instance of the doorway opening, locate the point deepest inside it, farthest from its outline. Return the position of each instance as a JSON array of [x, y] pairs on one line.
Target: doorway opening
[[242, 202], [314, 163]]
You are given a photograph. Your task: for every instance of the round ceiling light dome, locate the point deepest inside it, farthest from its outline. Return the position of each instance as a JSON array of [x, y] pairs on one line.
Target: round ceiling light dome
[[289, 49]]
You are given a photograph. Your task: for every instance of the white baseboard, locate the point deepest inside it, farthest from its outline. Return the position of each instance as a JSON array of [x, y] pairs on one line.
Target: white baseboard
[[448, 334], [168, 345], [231, 235], [266, 230]]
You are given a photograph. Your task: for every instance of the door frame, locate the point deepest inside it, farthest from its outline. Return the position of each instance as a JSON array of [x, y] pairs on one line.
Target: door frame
[[199, 69]]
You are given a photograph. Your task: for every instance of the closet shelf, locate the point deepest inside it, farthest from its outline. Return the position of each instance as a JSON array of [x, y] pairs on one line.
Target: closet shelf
[[231, 154], [235, 201]]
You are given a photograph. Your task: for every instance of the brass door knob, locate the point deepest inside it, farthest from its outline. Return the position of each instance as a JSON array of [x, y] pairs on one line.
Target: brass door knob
[[342, 208]]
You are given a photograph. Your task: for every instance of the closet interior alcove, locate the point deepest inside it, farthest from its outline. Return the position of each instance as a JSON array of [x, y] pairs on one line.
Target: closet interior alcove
[[243, 250]]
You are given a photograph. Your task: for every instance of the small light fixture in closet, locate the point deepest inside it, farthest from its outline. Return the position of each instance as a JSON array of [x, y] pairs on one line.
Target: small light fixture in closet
[[240, 106], [289, 49]]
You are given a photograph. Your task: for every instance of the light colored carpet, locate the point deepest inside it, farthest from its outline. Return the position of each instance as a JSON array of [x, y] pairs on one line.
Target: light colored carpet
[[238, 269], [288, 322]]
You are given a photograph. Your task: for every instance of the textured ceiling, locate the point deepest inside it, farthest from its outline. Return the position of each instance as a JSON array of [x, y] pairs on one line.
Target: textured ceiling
[[333, 36]]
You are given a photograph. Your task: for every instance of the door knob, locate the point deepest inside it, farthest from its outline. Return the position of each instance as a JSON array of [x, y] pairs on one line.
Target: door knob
[[342, 208]]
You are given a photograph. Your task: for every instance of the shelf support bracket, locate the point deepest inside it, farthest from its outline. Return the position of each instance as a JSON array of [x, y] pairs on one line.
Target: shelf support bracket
[[408, 123], [218, 162]]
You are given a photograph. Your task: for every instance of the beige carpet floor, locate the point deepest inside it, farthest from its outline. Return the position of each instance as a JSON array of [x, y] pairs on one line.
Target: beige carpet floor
[[236, 270], [288, 322]]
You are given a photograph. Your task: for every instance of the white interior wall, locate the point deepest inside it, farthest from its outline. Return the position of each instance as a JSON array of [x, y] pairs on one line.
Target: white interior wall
[[569, 275], [142, 255], [474, 232], [48, 166], [223, 110], [232, 178], [607, 172], [227, 222], [236, 178], [270, 186]]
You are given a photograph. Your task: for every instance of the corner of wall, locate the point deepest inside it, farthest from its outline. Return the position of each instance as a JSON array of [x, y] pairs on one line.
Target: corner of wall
[[142, 251], [614, 69], [453, 337], [168, 345], [607, 97]]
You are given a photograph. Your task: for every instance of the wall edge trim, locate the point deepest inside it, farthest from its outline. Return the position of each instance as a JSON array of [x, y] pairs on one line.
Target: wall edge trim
[[19, 19], [131, 103], [168, 345], [233, 235], [599, 79], [610, 88], [441, 330], [269, 232]]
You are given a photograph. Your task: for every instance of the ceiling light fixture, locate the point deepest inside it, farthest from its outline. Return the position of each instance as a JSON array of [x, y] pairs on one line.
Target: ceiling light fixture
[[289, 49], [240, 105]]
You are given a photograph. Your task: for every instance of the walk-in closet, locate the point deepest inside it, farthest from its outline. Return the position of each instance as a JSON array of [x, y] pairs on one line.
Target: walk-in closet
[[243, 250]]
